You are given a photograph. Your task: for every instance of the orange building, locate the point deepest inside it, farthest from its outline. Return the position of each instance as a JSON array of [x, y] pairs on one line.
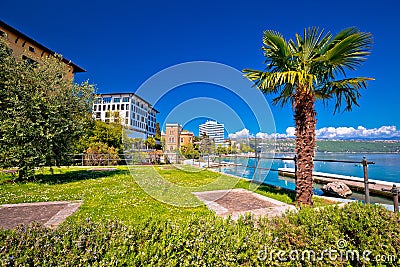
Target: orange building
[[172, 141], [175, 137], [24, 47], [186, 137]]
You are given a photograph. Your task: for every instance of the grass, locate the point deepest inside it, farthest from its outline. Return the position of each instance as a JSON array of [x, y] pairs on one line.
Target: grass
[[119, 224], [117, 195]]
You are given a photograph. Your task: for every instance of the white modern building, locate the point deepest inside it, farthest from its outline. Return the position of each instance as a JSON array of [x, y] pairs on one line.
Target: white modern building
[[134, 113], [213, 130]]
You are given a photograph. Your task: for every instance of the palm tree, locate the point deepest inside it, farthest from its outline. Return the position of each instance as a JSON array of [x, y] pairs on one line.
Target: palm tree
[[309, 68]]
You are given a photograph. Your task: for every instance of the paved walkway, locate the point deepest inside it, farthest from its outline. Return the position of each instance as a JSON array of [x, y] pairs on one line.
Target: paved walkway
[[51, 214], [238, 202]]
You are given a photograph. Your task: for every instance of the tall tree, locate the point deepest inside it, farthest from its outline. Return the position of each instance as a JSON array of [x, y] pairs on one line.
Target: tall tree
[[205, 145], [150, 142], [158, 131], [42, 113], [309, 68]]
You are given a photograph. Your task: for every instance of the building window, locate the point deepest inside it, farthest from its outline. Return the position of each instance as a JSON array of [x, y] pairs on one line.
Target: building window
[[31, 49], [107, 100], [29, 61], [104, 107], [126, 121], [117, 106], [95, 108], [125, 99], [113, 107], [181, 140], [122, 107], [127, 106], [98, 115], [117, 99], [98, 100]]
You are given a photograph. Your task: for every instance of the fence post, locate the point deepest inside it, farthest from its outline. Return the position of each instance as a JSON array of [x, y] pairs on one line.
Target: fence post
[[366, 184], [255, 159], [395, 191], [236, 164], [258, 166], [82, 158], [219, 163]]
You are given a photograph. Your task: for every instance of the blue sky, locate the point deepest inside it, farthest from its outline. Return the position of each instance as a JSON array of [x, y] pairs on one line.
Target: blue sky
[[122, 44]]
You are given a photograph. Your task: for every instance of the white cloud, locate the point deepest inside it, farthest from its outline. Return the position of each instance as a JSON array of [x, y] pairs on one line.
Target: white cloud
[[290, 131], [240, 134], [359, 132], [384, 132]]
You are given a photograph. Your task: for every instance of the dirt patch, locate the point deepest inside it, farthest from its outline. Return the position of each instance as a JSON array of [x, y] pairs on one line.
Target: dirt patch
[[51, 214], [238, 202], [242, 201]]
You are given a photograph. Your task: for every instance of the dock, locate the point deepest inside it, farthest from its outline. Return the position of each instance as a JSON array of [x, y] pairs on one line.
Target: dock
[[355, 183]]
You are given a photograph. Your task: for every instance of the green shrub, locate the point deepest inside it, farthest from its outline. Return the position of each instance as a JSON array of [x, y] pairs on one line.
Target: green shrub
[[209, 241]]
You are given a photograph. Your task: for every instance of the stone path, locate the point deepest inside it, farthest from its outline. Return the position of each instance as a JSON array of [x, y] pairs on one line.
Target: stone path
[[237, 202], [51, 214]]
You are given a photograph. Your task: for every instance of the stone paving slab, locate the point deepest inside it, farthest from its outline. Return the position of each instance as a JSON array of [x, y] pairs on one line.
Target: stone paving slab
[[50, 214], [238, 202]]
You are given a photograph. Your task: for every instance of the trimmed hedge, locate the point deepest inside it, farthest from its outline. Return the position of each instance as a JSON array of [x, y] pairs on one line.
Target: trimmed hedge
[[213, 241]]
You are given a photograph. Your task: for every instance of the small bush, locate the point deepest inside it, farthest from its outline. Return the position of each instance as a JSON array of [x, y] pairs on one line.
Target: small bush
[[210, 241]]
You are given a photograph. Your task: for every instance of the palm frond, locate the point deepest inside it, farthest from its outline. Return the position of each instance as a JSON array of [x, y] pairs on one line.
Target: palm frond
[[268, 81], [276, 50], [310, 63], [286, 95], [345, 91], [348, 49]]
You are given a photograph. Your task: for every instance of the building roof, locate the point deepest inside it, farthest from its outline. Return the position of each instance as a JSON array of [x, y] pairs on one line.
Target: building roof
[[186, 132], [129, 94], [32, 41]]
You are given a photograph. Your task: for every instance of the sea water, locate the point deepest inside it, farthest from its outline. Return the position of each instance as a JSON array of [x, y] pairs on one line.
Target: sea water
[[386, 167]]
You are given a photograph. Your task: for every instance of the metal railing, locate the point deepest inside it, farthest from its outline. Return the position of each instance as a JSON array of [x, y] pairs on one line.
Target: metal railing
[[141, 157], [257, 169]]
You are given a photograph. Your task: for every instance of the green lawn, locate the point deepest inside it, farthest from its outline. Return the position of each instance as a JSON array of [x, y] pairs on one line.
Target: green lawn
[[119, 224], [117, 194]]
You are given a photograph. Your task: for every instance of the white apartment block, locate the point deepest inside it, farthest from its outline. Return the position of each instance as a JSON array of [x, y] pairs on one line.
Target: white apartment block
[[134, 113], [213, 130]]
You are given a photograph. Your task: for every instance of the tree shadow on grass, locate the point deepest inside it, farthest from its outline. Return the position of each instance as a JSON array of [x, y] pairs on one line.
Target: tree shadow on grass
[[75, 176]]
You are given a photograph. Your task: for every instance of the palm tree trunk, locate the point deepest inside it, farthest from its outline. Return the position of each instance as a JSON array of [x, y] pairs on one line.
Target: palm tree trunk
[[304, 116]]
